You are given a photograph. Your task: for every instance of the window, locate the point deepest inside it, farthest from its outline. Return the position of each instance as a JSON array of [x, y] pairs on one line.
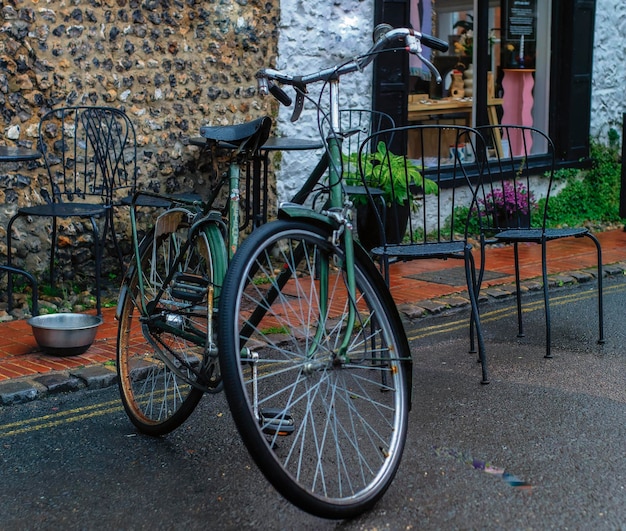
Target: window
[[553, 37]]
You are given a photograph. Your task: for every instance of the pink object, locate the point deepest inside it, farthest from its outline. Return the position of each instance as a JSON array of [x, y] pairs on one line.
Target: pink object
[[517, 104]]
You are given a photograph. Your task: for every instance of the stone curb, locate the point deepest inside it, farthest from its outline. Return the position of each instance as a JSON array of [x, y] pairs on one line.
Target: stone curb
[[93, 377], [30, 388], [424, 308]]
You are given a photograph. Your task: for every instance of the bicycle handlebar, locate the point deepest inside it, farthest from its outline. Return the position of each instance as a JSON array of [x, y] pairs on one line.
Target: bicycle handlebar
[[384, 34]]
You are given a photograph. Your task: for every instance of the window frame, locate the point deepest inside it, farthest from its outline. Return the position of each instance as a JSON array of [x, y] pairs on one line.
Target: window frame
[[571, 63]]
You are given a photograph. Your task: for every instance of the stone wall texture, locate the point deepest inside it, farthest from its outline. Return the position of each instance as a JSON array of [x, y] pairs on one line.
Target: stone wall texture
[[172, 65], [312, 36]]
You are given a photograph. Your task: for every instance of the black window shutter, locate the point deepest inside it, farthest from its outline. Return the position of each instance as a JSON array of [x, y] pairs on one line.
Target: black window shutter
[[391, 70], [572, 62]]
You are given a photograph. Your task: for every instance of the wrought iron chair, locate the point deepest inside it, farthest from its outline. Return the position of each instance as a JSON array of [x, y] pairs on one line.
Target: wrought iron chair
[[423, 187], [509, 211], [356, 126], [83, 149]]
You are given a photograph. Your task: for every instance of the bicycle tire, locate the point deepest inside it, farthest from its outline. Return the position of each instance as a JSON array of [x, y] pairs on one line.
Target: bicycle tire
[[347, 418], [161, 373]]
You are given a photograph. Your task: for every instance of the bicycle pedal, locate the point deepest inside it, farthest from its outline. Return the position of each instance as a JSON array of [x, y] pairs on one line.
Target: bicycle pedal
[[188, 287], [276, 422]]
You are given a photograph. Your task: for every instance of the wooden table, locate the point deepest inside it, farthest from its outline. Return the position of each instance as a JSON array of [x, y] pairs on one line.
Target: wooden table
[[425, 109]]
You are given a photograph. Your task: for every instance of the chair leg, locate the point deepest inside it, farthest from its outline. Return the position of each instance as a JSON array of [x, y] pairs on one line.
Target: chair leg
[[518, 292], [116, 244], [477, 285], [546, 297], [600, 291], [98, 258], [53, 243], [470, 277], [29, 278], [15, 271], [9, 263]]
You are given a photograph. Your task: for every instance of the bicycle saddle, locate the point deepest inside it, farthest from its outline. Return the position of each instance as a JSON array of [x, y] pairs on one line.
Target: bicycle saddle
[[255, 132]]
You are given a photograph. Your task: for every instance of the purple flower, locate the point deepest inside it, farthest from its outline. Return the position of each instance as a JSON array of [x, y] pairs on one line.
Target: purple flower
[[509, 199]]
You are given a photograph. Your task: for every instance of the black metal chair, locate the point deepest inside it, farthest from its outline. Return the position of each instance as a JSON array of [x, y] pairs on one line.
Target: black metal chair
[[509, 210], [84, 153], [423, 187], [357, 125]]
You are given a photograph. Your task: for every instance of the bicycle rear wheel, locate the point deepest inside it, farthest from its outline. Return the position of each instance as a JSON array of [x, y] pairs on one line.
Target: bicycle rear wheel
[[164, 361], [326, 427]]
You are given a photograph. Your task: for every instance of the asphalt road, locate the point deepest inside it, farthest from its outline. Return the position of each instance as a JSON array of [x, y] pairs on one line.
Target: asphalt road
[[541, 447]]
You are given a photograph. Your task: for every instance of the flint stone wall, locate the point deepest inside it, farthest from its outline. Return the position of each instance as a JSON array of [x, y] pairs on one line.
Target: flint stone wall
[[172, 65]]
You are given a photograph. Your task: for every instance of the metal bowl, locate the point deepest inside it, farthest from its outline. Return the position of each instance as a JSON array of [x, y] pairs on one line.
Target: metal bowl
[[65, 334]]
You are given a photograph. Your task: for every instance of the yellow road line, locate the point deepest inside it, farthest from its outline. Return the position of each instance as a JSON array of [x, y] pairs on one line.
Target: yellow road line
[[495, 315], [41, 424], [56, 419]]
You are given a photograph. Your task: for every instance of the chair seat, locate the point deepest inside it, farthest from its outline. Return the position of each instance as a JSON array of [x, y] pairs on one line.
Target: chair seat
[[362, 190], [64, 210], [422, 250], [536, 235], [161, 201]]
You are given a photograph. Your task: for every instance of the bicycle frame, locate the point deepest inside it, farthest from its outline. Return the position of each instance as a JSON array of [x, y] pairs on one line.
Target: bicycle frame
[[201, 219]]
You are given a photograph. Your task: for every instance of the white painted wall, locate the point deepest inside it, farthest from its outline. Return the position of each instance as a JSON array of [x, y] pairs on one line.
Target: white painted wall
[[314, 35], [608, 101]]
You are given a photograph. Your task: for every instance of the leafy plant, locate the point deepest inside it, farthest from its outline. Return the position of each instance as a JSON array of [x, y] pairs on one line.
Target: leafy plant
[[592, 195], [393, 174]]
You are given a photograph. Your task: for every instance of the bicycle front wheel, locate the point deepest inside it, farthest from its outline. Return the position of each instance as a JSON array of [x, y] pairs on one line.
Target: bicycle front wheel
[[320, 394], [164, 361]]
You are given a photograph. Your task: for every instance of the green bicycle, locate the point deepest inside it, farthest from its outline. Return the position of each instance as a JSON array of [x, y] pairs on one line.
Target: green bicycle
[[314, 357], [306, 340]]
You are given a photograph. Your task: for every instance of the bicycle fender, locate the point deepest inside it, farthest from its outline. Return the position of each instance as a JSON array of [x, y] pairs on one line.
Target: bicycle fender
[[295, 211]]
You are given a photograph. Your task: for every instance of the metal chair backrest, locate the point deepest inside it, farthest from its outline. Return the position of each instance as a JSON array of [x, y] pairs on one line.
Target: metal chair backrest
[[424, 184], [89, 152], [358, 124], [519, 170]]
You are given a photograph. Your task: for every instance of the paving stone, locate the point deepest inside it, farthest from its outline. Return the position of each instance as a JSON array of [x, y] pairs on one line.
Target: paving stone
[[433, 306], [533, 285], [497, 293], [582, 276], [412, 311], [455, 302], [17, 392], [561, 280], [621, 265], [96, 376], [510, 288], [59, 382], [612, 269]]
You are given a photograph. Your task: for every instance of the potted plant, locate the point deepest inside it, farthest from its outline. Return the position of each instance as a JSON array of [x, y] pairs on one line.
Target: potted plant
[[509, 206], [399, 179]]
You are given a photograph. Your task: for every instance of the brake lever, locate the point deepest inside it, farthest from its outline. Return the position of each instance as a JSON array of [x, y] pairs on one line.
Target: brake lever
[[299, 105], [431, 67]]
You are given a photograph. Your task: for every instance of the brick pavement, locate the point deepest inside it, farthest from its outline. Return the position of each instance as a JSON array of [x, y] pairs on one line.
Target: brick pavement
[[419, 288]]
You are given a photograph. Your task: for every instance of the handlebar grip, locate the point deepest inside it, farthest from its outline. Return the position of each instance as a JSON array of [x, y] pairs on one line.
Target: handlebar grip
[[280, 94], [434, 43]]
